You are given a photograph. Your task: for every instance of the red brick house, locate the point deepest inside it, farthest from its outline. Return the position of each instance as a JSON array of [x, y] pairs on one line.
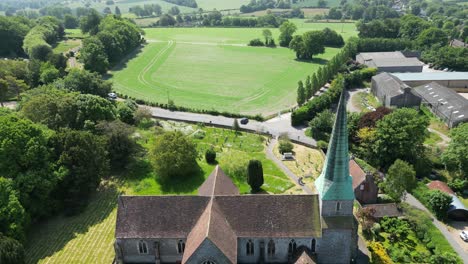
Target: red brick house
[[365, 189]]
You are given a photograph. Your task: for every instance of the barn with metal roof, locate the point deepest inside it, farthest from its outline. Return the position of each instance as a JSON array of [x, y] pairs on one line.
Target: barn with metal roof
[[448, 105], [454, 80], [394, 61]]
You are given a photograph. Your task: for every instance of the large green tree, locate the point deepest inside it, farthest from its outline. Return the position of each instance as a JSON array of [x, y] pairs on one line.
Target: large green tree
[[300, 93], [400, 177], [24, 158], [120, 144], [81, 163], [174, 155], [11, 251], [93, 55], [12, 214], [309, 44], [321, 125], [86, 82], [455, 156], [439, 203], [399, 135], [432, 36], [287, 30]]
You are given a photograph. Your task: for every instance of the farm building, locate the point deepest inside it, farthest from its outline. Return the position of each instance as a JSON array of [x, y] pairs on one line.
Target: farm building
[[448, 105], [390, 61], [365, 189], [454, 80], [457, 211], [392, 92]]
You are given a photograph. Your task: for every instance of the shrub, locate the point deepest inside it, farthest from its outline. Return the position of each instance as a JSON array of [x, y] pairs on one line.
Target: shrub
[[285, 145], [255, 175], [256, 43], [322, 144], [210, 156], [379, 254]]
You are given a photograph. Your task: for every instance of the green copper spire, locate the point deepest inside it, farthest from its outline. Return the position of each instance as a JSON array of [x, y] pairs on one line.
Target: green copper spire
[[335, 183]]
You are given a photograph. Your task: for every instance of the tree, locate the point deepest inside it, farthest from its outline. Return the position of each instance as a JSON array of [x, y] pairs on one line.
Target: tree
[[11, 251], [300, 93], [120, 144], [308, 88], [308, 45], [90, 23], [370, 119], [126, 110], [332, 38], [432, 36], [70, 22], [399, 135], [166, 20], [412, 26], [255, 175], [107, 11], [400, 177], [366, 218], [86, 82], [174, 11], [397, 228], [322, 3], [210, 156], [3, 91], [174, 155], [268, 36], [455, 157], [321, 125], [30, 168], [285, 145], [93, 55], [443, 258], [48, 73], [16, 86], [439, 203], [287, 30], [81, 163], [314, 83], [117, 11], [12, 214]]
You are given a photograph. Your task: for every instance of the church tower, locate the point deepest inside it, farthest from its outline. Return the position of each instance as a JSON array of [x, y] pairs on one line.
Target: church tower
[[334, 184]]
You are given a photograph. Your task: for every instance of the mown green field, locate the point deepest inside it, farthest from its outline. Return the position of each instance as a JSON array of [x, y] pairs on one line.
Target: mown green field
[[88, 237], [211, 68]]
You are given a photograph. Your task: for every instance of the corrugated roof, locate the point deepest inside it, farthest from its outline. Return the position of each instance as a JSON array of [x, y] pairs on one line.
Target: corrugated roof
[[391, 85], [388, 59], [431, 76], [447, 102]]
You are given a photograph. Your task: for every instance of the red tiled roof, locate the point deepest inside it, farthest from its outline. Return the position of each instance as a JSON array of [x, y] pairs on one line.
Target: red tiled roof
[[441, 186], [357, 173]]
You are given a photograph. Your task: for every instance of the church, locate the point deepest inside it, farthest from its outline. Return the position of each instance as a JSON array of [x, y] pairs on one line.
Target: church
[[220, 226]]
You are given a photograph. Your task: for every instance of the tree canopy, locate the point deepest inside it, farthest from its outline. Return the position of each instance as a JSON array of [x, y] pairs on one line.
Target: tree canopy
[[400, 177]]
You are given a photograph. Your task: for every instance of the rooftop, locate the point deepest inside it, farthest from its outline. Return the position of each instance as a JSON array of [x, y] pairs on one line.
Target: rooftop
[[388, 59], [447, 102], [390, 84], [432, 76]]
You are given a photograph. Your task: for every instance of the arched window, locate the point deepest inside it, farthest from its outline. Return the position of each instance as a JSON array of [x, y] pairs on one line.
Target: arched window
[[312, 246], [292, 247], [208, 262], [271, 248], [142, 247], [250, 248], [180, 247], [338, 206]]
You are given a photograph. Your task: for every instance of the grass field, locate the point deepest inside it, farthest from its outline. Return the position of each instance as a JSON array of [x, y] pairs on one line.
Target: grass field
[[211, 68], [314, 3], [88, 237], [65, 45]]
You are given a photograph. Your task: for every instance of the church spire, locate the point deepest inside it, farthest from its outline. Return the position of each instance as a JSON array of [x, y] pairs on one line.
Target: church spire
[[335, 183]]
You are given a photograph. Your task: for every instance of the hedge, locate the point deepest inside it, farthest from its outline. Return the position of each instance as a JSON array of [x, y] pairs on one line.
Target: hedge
[[383, 44]]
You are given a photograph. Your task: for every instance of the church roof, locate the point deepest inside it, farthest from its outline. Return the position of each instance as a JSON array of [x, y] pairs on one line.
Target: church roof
[[158, 216], [218, 184], [305, 256], [335, 183], [212, 225]]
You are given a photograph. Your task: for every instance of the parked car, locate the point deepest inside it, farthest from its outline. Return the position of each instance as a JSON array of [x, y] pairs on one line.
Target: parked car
[[244, 121], [112, 96], [464, 236]]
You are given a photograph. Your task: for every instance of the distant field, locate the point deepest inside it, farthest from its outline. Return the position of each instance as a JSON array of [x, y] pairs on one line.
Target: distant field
[[314, 3], [65, 45], [124, 5], [209, 68], [221, 4], [308, 12]]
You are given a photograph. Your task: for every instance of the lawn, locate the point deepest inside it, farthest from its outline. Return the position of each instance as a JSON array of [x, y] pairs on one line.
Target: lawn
[[65, 45], [211, 68], [88, 237], [314, 3]]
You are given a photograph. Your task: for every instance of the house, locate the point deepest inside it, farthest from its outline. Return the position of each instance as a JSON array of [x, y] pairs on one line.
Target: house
[[394, 61], [392, 92], [365, 189], [457, 211], [221, 226], [445, 103], [458, 43], [457, 81]]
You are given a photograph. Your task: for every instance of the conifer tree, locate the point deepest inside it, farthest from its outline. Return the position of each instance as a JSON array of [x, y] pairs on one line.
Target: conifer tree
[[314, 84], [300, 93], [308, 88], [117, 11]]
